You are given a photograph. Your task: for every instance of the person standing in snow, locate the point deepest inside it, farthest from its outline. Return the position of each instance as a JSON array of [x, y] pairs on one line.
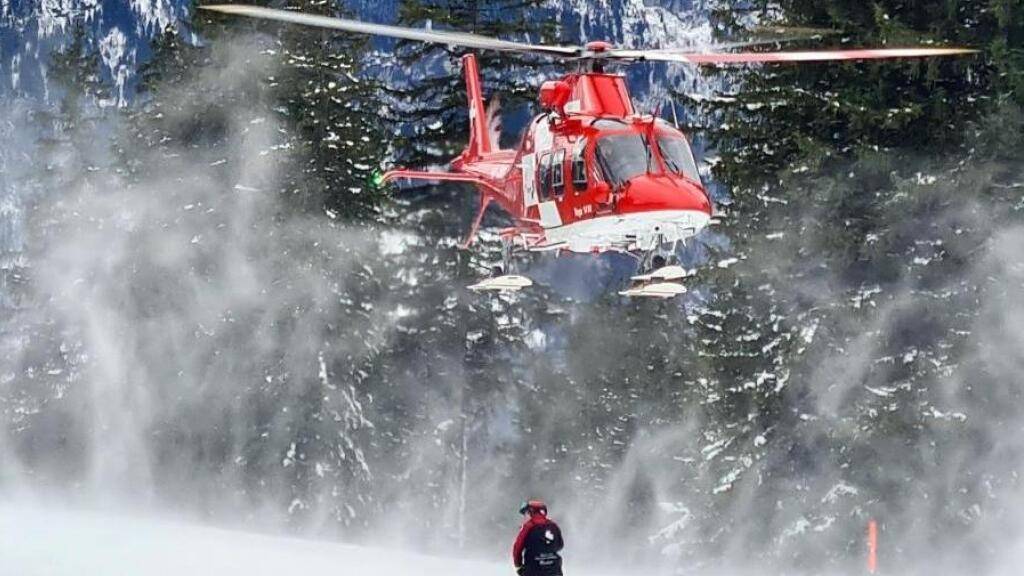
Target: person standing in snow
[[535, 552]]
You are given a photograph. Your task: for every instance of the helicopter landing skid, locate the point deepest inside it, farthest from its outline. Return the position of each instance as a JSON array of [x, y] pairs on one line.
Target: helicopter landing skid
[[658, 279], [663, 274], [504, 278], [504, 283], [655, 290], [664, 282]]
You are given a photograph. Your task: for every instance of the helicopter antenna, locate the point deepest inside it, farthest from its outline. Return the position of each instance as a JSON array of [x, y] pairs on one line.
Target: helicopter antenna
[[675, 118]]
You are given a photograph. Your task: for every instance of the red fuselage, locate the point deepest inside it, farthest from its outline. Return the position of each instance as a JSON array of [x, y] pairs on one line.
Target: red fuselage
[[589, 174]]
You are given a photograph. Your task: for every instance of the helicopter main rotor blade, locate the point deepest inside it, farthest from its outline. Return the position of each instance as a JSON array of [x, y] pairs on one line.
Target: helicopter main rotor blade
[[419, 34], [704, 58], [574, 52]]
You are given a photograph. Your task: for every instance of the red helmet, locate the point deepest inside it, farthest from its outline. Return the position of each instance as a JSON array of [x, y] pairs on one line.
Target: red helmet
[[534, 507]]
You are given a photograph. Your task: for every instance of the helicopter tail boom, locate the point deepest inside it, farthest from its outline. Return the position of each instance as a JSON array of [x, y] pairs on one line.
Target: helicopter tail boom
[[433, 176]]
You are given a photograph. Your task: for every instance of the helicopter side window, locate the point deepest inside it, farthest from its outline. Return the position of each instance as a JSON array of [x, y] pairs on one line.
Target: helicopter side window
[[558, 173], [579, 167], [675, 150], [544, 177]]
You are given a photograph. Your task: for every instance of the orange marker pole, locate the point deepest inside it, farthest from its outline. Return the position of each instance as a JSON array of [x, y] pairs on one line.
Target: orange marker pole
[[872, 546]]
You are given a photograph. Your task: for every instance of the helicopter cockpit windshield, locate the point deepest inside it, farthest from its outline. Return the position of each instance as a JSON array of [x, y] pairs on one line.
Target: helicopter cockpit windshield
[[623, 157], [678, 157]]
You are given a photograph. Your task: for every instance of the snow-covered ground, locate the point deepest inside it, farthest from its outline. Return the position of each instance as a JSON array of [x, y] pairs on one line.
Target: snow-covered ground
[[47, 542]]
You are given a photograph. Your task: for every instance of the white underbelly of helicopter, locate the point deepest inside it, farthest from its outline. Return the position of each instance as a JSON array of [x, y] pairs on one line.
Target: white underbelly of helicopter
[[636, 231]]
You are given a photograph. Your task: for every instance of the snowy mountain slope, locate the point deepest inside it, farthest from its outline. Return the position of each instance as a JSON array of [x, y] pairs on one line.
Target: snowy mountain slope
[[31, 31], [46, 542]]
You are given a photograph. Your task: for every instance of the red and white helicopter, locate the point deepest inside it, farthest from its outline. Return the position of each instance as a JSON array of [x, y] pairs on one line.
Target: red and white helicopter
[[591, 174]]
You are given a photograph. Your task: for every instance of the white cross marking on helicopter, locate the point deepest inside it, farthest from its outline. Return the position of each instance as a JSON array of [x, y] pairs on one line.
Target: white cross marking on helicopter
[[542, 136], [549, 216], [529, 178]]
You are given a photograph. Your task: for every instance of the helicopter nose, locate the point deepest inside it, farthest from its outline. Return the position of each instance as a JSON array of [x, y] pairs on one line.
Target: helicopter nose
[[653, 192]]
